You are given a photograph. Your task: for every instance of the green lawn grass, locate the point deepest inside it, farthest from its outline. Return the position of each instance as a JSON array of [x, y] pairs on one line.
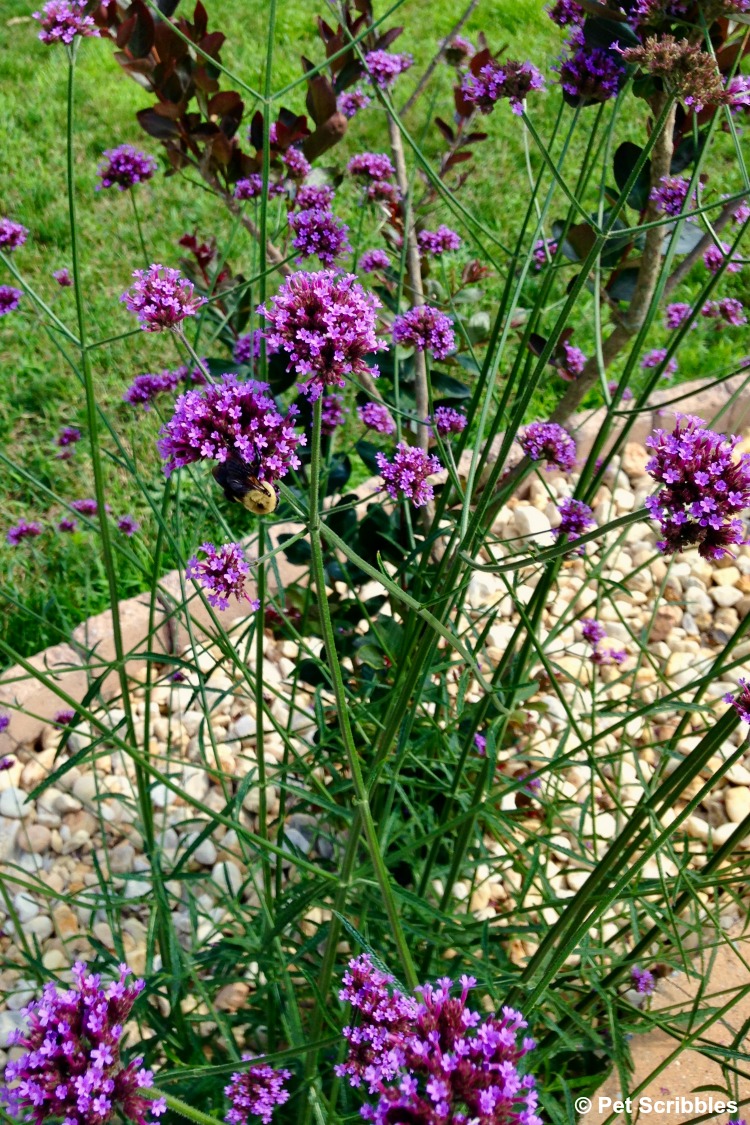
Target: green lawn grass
[[59, 580]]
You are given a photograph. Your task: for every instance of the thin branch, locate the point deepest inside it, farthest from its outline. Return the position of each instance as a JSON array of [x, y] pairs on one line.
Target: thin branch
[[431, 68]]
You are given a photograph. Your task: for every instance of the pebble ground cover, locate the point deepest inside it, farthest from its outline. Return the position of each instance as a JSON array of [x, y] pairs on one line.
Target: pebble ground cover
[[415, 838]]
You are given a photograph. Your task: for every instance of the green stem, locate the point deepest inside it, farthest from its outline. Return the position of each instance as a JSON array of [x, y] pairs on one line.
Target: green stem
[[178, 1106], [339, 690], [139, 228]]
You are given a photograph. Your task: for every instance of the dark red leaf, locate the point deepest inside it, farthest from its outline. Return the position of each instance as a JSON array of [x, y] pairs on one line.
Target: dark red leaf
[[384, 41], [212, 44], [200, 20], [326, 136], [321, 99], [457, 158], [445, 129], [157, 124]]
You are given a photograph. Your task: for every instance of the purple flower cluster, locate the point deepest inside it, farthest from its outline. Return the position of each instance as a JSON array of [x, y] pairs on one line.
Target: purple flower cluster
[[124, 167], [161, 298], [128, 525], [87, 507], [728, 308], [326, 323], [62, 20], [705, 487], [12, 235], [296, 164], [249, 187], [257, 1090], [714, 258], [445, 421], [221, 574], [377, 417], [68, 437], [320, 232], [373, 260], [406, 475], [544, 249], [4, 721], [741, 702], [643, 980], [9, 299], [314, 195], [432, 1060], [566, 13], [675, 315], [589, 74], [440, 241], [427, 329], [655, 358], [513, 80], [71, 1069], [573, 360], [376, 165], [546, 441], [480, 743], [383, 69], [146, 388], [670, 194], [247, 348], [232, 419], [626, 395], [333, 413], [576, 518], [22, 530], [63, 278], [352, 101], [594, 633], [67, 525]]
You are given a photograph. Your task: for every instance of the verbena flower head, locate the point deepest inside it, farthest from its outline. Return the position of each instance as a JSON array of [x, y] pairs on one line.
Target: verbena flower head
[[714, 258], [352, 101], [406, 475], [593, 631], [333, 413], [256, 1091], [248, 188], [9, 299], [86, 507], [7, 763], [566, 13], [63, 278], [161, 298], [376, 165], [319, 232], [480, 743], [427, 329], [12, 235], [573, 359], [146, 388], [22, 530], [544, 250], [655, 358], [688, 72], [587, 74], [296, 164], [247, 348], [670, 194], [68, 437], [547, 441], [64, 718], [373, 260], [377, 417], [68, 525], [576, 518], [124, 167], [486, 85], [221, 574], [325, 322], [440, 241], [626, 395], [732, 311], [740, 702], [314, 195], [128, 525], [643, 980], [4, 721], [676, 314], [737, 92], [434, 1061], [704, 488], [71, 1068], [62, 20], [445, 420], [383, 191], [232, 419], [383, 68]]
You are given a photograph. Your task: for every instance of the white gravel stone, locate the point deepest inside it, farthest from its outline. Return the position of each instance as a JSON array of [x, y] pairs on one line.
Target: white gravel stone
[[529, 521]]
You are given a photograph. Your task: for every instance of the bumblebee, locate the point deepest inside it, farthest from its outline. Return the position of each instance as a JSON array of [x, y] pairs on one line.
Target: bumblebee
[[239, 483]]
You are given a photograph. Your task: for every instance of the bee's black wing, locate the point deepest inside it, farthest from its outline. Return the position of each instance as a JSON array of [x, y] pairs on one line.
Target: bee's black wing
[[234, 477]]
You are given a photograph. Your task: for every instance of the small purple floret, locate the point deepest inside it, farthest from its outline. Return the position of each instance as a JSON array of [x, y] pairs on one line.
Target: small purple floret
[[23, 530], [440, 241], [12, 235], [373, 260], [485, 87], [445, 421], [319, 232], [547, 441], [377, 417], [10, 299], [221, 574], [427, 329], [161, 298], [406, 475], [62, 20], [256, 1091], [124, 167]]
